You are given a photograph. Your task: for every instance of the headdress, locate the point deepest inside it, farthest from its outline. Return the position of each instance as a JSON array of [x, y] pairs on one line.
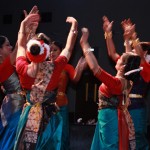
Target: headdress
[[43, 53]]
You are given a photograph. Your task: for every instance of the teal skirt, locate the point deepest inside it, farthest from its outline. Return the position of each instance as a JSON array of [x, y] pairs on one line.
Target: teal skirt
[[65, 130], [8, 132], [139, 117], [50, 138], [106, 132]]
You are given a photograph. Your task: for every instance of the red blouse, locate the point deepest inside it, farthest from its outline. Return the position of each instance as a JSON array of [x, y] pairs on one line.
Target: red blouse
[[6, 69], [145, 73], [70, 71], [27, 82], [110, 85], [67, 73]]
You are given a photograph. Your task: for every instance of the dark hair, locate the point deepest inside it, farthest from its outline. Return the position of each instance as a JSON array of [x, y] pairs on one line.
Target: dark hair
[[42, 36], [59, 44], [131, 62], [145, 46], [2, 40], [35, 49]]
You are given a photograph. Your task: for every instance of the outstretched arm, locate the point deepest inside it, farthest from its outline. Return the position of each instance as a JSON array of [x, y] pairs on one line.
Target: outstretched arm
[[89, 56], [145, 73], [81, 66], [137, 47], [29, 32], [107, 27], [128, 29], [112, 82], [30, 20], [71, 39]]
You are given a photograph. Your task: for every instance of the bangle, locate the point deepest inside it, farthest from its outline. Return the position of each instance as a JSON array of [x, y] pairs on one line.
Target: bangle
[[86, 52], [127, 42], [31, 34], [74, 31], [108, 34], [135, 42]]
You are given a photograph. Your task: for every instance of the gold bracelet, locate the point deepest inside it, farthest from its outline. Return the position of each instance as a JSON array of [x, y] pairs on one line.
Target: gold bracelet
[[127, 42], [108, 35], [135, 42]]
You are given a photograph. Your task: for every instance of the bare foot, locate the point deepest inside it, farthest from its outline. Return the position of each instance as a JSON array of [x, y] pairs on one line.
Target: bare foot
[[85, 35]]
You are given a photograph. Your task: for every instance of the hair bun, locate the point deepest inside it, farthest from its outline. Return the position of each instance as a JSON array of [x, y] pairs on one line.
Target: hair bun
[[37, 51]]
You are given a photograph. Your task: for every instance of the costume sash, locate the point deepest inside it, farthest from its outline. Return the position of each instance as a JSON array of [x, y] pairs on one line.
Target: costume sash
[[126, 125], [30, 134], [40, 84]]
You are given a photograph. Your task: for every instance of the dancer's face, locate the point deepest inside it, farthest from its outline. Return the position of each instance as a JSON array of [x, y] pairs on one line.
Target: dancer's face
[[119, 63], [54, 52], [6, 49]]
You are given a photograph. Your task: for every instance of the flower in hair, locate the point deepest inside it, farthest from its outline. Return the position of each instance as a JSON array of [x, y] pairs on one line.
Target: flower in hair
[[43, 53], [133, 71]]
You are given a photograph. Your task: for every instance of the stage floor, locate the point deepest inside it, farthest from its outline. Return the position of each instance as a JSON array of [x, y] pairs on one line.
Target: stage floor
[[81, 136]]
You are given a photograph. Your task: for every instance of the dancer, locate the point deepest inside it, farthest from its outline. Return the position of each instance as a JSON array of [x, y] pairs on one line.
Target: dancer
[[114, 129], [68, 73], [12, 103], [137, 108], [40, 125], [14, 100]]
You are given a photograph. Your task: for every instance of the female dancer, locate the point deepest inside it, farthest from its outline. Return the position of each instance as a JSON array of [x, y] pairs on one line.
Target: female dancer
[[40, 125], [12, 103], [137, 108], [14, 100], [61, 99], [114, 129]]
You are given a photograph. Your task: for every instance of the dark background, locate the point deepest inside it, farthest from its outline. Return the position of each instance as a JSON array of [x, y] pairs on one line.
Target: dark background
[[89, 14]]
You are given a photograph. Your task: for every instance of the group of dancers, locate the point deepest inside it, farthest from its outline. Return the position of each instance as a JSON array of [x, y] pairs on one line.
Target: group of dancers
[[34, 77]]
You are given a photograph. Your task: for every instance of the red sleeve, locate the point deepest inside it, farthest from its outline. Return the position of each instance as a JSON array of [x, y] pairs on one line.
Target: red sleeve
[[113, 84], [6, 69], [70, 70], [59, 63], [145, 73], [21, 65]]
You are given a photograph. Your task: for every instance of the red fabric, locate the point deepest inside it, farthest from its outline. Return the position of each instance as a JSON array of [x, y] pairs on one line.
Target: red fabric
[[123, 131], [27, 82], [37, 58], [6, 69], [70, 71], [145, 73], [21, 67], [110, 85], [67, 73]]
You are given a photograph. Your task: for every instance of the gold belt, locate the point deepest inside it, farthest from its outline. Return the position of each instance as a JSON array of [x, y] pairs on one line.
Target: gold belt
[[20, 93], [61, 93], [135, 96]]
